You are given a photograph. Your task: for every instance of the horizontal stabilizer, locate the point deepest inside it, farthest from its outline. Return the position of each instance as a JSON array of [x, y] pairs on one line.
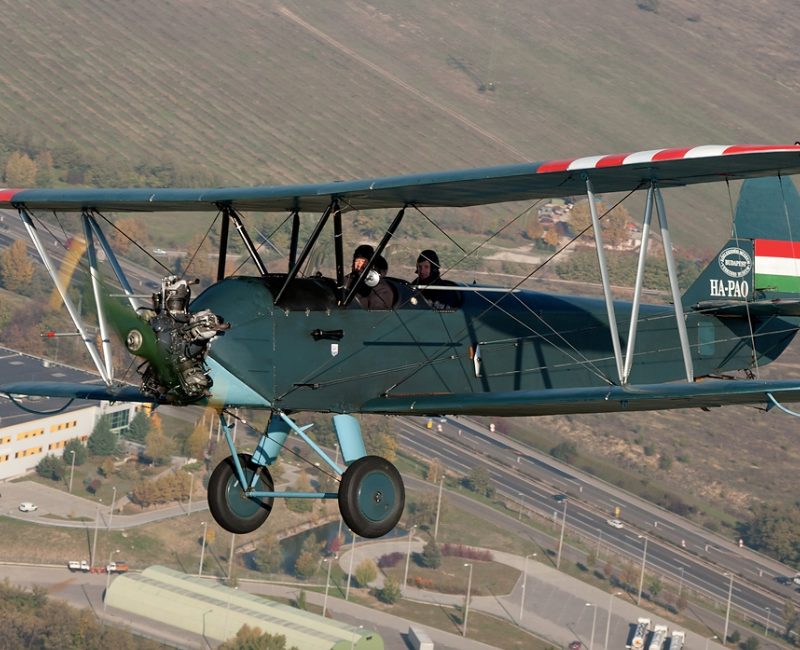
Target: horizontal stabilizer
[[611, 399], [76, 391], [738, 309]]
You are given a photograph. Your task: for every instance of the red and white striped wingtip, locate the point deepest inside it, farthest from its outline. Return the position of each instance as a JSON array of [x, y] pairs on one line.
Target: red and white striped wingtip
[[660, 155]]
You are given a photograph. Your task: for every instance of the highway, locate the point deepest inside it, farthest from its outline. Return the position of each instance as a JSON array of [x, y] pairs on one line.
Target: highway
[[531, 479]]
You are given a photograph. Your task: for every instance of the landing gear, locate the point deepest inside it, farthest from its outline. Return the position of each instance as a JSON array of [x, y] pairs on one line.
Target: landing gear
[[371, 497], [229, 504]]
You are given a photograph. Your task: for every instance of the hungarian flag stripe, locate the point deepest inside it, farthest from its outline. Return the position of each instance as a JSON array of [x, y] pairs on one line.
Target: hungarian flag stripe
[[777, 265]]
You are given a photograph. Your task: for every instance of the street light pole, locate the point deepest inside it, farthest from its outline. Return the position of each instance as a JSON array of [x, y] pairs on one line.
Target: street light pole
[[353, 638], [594, 621], [329, 560], [680, 587], [524, 584], [228, 611], [108, 580], [438, 507], [350, 572], [71, 471], [191, 489], [728, 611], [203, 548], [608, 625], [230, 560], [641, 577], [561, 541], [96, 525], [113, 501], [766, 630], [466, 604], [521, 502], [408, 557]]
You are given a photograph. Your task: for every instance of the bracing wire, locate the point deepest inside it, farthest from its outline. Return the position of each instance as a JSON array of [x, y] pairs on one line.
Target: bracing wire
[[200, 245]]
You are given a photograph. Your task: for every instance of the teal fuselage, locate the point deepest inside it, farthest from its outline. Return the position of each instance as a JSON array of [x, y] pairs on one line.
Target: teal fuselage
[[528, 341]]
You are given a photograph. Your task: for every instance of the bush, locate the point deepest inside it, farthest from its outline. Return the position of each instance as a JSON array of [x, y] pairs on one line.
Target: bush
[[94, 486], [366, 572], [390, 560], [51, 467], [467, 552], [306, 566], [391, 591], [431, 555], [752, 643], [566, 452]]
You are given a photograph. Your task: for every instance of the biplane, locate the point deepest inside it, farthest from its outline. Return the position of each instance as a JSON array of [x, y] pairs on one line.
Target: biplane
[[288, 343]]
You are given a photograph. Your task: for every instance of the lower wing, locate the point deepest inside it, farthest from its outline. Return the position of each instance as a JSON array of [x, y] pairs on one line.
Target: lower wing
[[76, 391], [611, 399]]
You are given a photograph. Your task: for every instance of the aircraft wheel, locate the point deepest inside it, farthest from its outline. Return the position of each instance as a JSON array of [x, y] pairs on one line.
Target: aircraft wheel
[[371, 497], [229, 505]]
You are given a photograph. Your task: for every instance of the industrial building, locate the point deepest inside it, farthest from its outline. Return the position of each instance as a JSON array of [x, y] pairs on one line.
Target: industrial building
[[28, 434], [218, 612]]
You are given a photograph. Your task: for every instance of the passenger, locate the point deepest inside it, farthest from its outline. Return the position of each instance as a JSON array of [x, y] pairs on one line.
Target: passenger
[[427, 268], [428, 274], [374, 292]]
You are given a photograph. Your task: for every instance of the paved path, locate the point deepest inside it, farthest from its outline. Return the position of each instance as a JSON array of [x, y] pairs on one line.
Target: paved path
[[557, 607]]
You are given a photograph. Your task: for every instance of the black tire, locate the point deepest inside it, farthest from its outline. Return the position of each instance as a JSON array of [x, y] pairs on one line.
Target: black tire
[[371, 497], [229, 505]]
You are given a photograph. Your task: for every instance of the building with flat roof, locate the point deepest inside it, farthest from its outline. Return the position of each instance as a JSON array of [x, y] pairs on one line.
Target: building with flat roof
[[30, 429], [218, 612]]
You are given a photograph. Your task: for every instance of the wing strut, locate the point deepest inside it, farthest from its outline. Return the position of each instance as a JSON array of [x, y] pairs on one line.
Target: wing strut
[[653, 198], [112, 260], [73, 313], [248, 243], [223, 244], [306, 249], [98, 297], [637, 287], [673, 285], [601, 260], [295, 236]]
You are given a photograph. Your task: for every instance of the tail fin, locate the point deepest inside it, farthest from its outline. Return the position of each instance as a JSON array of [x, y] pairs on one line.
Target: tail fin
[[762, 259]]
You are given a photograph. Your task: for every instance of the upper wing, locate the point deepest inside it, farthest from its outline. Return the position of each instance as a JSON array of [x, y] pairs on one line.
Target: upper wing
[[613, 399], [458, 188]]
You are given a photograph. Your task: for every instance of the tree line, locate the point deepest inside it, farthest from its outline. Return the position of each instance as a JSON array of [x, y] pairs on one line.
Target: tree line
[[27, 160]]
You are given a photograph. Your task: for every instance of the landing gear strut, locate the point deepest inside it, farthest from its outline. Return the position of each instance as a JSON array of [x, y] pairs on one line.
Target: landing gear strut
[[371, 497]]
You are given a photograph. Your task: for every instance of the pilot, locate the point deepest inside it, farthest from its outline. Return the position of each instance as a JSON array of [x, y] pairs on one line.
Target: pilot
[[374, 292], [428, 274]]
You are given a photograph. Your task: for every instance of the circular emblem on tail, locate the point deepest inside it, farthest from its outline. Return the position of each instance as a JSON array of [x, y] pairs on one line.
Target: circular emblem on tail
[[735, 262]]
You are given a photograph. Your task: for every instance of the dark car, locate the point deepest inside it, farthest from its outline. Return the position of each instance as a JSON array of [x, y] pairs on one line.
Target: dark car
[[783, 580], [560, 497]]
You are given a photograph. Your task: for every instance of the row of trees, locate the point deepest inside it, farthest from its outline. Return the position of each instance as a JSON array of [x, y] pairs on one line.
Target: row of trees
[[29, 161], [170, 487]]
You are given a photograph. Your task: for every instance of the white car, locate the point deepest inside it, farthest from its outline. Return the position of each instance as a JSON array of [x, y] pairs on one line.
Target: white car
[[614, 523], [27, 506]]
